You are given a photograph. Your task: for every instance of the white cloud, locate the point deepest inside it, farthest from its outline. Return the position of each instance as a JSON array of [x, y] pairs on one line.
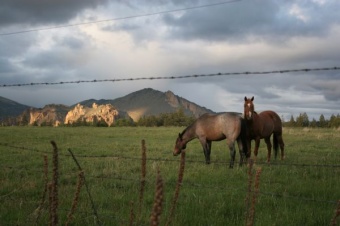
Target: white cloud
[[299, 13]]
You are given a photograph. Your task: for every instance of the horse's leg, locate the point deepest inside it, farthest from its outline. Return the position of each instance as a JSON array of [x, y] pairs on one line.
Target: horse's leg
[[231, 145], [269, 148], [282, 146], [206, 150], [241, 150]]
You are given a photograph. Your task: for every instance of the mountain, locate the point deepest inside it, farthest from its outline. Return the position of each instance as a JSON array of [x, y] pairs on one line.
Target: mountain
[[151, 102], [133, 106], [9, 108]]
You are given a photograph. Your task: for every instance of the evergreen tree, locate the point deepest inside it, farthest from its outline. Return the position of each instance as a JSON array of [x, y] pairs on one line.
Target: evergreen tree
[[322, 121], [291, 122], [313, 123], [334, 121], [302, 120]]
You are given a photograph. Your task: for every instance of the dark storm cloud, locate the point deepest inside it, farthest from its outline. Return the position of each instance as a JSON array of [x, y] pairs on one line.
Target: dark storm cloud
[[330, 87], [247, 20], [37, 12]]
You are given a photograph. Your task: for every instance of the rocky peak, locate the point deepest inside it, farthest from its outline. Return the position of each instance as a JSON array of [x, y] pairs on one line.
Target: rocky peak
[[97, 113], [172, 99]]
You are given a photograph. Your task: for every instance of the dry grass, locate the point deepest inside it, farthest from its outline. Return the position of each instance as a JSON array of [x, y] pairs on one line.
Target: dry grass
[[76, 197], [158, 201]]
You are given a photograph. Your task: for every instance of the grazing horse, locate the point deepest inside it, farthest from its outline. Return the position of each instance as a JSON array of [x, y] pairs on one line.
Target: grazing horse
[[216, 127], [263, 125]]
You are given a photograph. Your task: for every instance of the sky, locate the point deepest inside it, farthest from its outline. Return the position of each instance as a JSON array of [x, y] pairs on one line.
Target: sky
[[79, 40]]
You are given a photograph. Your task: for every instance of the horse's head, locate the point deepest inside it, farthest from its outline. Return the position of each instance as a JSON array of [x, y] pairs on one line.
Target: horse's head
[[248, 108], [180, 145]]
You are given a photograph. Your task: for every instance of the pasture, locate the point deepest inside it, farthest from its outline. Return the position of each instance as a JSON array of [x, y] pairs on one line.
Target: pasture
[[301, 190]]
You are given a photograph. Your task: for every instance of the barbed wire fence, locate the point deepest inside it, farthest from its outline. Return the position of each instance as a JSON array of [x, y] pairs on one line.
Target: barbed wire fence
[[190, 184], [173, 77], [167, 160]]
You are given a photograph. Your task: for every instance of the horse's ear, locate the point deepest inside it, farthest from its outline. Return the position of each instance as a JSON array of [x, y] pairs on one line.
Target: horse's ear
[[245, 98], [180, 136], [252, 98]]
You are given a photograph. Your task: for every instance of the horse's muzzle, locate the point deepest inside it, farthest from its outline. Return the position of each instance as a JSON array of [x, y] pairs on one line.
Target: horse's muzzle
[[176, 152]]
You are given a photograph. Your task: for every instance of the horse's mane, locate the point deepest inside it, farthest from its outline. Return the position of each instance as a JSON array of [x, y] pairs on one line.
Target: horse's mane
[[181, 134], [185, 130]]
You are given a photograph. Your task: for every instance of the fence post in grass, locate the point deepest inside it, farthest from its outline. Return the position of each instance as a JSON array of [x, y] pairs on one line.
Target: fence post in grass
[[252, 193], [336, 214], [132, 214], [158, 201], [87, 189], [54, 189], [250, 182], [178, 186], [142, 180]]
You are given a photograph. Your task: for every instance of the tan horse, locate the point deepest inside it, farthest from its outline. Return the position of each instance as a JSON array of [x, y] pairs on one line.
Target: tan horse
[[215, 127], [262, 126]]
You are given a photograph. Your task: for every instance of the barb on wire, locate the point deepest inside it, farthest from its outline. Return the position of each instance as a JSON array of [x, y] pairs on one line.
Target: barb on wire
[[173, 77]]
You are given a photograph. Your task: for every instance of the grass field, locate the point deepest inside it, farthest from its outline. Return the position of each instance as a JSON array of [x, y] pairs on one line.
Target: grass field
[[301, 190]]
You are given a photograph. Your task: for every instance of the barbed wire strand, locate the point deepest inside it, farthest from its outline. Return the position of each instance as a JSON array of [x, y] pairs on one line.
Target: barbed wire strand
[[168, 160], [120, 18], [173, 77]]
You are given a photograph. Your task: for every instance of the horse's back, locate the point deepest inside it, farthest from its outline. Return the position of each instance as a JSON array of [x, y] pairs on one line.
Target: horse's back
[[219, 126], [223, 118], [273, 119]]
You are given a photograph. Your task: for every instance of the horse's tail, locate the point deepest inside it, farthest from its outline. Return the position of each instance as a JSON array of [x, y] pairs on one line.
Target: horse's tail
[[276, 144], [243, 136]]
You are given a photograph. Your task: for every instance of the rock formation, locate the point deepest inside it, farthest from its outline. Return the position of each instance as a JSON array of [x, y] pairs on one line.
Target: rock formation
[[52, 115], [98, 113]]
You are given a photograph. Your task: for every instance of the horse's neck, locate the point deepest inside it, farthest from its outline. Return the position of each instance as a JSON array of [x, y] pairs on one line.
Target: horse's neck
[[253, 123], [256, 117], [188, 134]]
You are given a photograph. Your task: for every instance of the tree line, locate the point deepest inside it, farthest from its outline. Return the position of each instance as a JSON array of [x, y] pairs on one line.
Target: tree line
[[179, 118], [302, 120]]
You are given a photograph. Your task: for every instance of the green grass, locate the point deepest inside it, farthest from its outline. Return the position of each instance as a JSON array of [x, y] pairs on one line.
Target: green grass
[[213, 194]]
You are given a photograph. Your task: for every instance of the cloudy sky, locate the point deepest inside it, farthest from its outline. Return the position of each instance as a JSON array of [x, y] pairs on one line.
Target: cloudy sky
[[131, 39]]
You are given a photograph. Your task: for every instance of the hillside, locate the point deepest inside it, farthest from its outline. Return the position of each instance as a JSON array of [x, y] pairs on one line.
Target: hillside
[[151, 102], [9, 108], [133, 106]]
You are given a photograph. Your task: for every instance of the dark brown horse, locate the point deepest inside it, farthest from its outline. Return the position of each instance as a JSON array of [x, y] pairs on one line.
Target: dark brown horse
[[216, 127], [262, 126]]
